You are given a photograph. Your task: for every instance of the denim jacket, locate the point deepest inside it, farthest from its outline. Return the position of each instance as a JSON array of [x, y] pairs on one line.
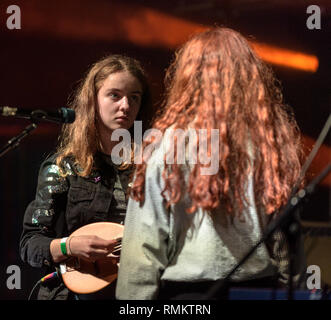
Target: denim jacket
[[63, 205]]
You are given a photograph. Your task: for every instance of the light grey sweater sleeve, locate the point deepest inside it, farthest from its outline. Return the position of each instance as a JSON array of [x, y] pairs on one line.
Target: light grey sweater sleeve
[[144, 253]]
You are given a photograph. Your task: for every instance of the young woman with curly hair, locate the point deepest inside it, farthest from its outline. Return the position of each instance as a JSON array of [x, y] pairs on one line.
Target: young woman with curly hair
[[186, 228], [80, 184]]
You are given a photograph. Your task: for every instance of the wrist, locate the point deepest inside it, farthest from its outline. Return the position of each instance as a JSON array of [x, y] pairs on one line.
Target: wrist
[[69, 252], [63, 246]]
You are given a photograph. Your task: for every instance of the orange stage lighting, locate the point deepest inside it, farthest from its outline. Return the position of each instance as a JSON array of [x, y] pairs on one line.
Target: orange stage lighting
[[286, 58], [135, 24]]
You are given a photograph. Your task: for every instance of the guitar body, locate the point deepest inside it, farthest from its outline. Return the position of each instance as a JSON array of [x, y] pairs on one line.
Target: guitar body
[[82, 276]]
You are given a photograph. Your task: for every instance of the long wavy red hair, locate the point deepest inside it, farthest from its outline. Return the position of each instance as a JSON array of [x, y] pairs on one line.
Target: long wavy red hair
[[217, 81]]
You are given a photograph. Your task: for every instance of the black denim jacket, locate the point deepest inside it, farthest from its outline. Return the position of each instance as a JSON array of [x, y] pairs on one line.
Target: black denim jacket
[[63, 205]]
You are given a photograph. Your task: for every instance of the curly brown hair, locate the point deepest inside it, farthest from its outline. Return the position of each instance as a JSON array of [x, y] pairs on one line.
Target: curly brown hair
[[217, 81]]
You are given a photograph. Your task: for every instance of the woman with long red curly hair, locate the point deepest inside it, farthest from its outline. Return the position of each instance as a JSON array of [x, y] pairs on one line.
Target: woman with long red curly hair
[[187, 227]]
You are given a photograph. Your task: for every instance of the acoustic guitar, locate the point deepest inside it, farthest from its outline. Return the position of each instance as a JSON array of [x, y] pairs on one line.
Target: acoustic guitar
[[82, 276]]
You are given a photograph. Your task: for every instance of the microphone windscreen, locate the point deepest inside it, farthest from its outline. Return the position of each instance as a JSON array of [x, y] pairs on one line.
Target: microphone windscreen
[[68, 114]]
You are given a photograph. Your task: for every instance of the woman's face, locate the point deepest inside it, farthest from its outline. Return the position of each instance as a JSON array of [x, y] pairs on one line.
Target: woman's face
[[119, 100]]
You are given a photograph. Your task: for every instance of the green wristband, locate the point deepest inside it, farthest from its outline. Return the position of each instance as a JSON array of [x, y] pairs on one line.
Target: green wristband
[[64, 246]]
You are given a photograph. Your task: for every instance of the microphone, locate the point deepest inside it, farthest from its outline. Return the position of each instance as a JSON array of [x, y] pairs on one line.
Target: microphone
[[62, 115]]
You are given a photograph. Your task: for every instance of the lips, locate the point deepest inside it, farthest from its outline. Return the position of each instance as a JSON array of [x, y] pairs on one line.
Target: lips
[[122, 118]]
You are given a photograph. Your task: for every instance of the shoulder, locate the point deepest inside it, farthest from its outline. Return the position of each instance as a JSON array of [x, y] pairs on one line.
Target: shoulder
[[50, 167], [50, 180]]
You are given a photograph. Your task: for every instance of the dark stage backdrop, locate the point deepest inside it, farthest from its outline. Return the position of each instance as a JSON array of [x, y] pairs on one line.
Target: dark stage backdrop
[[41, 63]]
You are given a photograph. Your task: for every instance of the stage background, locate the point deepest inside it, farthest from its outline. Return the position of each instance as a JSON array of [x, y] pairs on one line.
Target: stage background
[[41, 63]]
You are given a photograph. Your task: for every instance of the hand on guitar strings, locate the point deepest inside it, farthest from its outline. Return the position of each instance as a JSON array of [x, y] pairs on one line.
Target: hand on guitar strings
[[90, 248]]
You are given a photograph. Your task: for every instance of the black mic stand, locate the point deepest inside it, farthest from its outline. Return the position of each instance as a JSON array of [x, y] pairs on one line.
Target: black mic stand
[[68, 116], [285, 220], [35, 117], [14, 142]]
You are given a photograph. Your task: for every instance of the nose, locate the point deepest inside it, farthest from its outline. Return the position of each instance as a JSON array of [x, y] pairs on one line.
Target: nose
[[125, 104]]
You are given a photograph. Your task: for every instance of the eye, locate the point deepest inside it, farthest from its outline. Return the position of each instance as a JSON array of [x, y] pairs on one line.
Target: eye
[[136, 98], [114, 95]]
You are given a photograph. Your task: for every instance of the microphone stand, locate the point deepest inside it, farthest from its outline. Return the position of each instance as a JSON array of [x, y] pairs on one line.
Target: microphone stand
[[14, 142], [68, 116], [285, 220], [36, 116]]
